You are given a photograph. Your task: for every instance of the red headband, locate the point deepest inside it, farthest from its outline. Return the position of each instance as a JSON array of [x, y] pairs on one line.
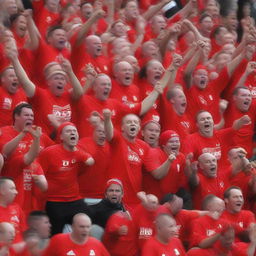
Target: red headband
[[113, 181], [62, 126], [165, 136]]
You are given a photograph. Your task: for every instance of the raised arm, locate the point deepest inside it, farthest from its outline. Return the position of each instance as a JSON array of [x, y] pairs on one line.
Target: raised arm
[[163, 169], [26, 83], [87, 26], [34, 150], [108, 126], [77, 91]]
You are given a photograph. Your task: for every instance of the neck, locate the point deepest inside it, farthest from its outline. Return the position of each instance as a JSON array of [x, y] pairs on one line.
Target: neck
[[69, 148], [2, 203], [207, 135], [130, 139], [78, 239], [162, 240]]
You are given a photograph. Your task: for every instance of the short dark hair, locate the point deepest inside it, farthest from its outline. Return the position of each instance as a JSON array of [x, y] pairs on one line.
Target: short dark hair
[[207, 200], [35, 215], [227, 191], [237, 89], [52, 29], [17, 110], [203, 16]]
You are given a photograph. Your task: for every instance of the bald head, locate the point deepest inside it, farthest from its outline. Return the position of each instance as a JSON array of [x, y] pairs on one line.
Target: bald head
[[123, 73], [93, 45], [7, 232], [208, 164]]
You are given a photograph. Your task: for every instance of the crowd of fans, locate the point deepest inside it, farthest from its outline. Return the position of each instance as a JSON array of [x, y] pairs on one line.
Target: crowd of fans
[[131, 121]]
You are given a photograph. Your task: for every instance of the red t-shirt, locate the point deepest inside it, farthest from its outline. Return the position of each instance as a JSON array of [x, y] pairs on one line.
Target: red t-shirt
[[207, 186], [87, 104], [218, 144], [155, 248], [22, 175], [144, 224], [45, 54], [205, 227], [126, 94], [45, 103], [8, 133], [129, 159], [208, 98], [244, 136], [62, 245], [44, 18], [240, 220], [183, 220], [92, 180], [14, 215], [120, 245], [61, 172], [7, 103]]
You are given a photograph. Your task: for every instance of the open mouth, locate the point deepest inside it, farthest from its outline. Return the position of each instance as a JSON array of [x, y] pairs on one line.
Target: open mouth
[[28, 123], [132, 129], [157, 77], [59, 87], [14, 84], [206, 126], [183, 105], [202, 82], [73, 138]]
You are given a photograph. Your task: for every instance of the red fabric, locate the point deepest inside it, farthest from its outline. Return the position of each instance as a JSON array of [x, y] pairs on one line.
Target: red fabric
[[61, 172], [62, 126], [44, 18], [45, 103], [166, 135], [183, 220], [61, 244], [204, 227], [125, 94], [87, 104], [207, 99], [244, 136], [207, 186], [14, 215], [129, 159], [240, 220], [217, 145], [22, 175], [45, 54], [120, 245], [8, 133], [144, 224], [7, 104], [155, 248], [97, 173]]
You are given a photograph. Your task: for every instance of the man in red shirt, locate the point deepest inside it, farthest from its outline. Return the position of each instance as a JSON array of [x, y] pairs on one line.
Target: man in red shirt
[[11, 95], [209, 180], [63, 198], [207, 140], [54, 100], [165, 242], [9, 211], [240, 219], [7, 234], [78, 242], [240, 105]]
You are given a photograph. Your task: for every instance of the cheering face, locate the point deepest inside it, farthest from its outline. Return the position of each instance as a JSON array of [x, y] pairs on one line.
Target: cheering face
[[8, 191], [69, 136], [87, 10], [114, 193], [158, 24], [24, 119], [151, 133], [57, 83], [124, 73], [154, 72], [172, 146], [10, 81], [99, 135], [131, 10], [235, 201], [102, 87], [205, 124], [20, 25], [58, 38], [243, 99], [200, 78], [130, 126], [208, 164], [179, 101], [94, 46]]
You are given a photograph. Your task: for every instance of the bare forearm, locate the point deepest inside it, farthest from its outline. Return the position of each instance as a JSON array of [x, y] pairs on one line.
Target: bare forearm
[[33, 152], [10, 146], [208, 242], [162, 170], [148, 102]]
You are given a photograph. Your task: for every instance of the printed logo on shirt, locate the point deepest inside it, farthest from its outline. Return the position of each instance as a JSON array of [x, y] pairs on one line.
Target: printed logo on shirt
[[15, 219], [92, 253], [133, 156], [210, 97], [222, 184], [253, 90], [214, 151], [65, 163], [27, 180], [62, 113], [71, 253], [7, 103], [105, 68], [178, 168], [176, 251], [241, 224], [185, 124], [145, 232], [210, 232], [48, 19], [134, 98], [203, 101]]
